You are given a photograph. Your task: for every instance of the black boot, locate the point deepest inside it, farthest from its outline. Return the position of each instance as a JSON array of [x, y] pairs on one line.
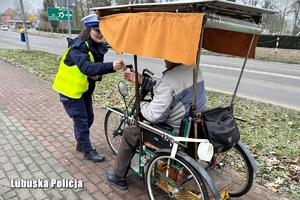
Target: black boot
[[118, 181], [78, 148], [94, 156]]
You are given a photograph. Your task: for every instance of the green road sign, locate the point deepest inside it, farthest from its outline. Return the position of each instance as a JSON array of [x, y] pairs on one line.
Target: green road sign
[[59, 14]]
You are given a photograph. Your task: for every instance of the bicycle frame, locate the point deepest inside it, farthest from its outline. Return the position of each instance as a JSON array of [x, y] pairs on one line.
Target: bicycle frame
[[176, 142], [202, 23]]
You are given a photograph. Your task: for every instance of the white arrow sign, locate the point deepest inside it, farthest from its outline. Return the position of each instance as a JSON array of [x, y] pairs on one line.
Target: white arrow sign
[[61, 14]]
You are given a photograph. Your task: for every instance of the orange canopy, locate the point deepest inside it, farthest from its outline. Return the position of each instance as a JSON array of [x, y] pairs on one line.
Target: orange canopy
[[171, 36]]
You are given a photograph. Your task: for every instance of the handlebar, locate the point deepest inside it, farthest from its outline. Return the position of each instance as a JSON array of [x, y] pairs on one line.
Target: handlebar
[[127, 66], [147, 71], [149, 74]]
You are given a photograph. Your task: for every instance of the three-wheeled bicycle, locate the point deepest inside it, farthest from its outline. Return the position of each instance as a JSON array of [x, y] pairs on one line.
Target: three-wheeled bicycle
[[184, 164]]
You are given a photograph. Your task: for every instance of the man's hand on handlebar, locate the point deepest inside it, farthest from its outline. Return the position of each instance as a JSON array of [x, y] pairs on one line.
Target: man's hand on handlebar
[[130, 76]]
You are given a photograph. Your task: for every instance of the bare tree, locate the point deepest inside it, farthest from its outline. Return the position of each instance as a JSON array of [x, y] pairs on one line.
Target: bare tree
[[28, 9], [274, 23], [124, 2], [82, 9], [295, 10], [283, 7], [269, 22], [44, 13]]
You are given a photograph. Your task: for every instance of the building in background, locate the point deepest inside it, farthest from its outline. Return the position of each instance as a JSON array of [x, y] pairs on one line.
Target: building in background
[[7, 15], [13, 20]]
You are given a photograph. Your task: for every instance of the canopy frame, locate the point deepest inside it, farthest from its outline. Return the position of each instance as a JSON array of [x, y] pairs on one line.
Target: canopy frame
[[219, 17]]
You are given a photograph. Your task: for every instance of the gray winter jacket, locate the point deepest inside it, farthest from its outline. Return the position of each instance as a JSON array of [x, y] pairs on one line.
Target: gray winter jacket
[[173, 96]]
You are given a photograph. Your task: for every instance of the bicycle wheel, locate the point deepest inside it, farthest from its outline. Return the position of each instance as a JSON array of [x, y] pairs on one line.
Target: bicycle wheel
[[113, 127], [173, 178], [235, 165]]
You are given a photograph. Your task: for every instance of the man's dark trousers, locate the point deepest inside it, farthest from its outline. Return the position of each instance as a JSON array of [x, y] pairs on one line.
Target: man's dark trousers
[[126, 150]]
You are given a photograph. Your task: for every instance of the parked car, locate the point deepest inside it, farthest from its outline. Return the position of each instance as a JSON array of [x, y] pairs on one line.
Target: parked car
[[4, 28]]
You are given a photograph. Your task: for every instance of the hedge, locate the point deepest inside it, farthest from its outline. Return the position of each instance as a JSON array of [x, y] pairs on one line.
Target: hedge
[[285, 41], [73, 31]]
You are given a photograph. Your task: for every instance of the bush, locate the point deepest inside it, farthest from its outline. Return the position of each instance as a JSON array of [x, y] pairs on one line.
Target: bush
[[73, 31], [285, 41]]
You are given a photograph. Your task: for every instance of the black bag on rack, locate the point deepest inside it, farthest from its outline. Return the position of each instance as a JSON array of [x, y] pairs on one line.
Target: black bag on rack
[[219, 127]]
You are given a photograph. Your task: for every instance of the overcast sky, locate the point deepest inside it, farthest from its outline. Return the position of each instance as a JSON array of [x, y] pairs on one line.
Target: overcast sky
[[5, 4]]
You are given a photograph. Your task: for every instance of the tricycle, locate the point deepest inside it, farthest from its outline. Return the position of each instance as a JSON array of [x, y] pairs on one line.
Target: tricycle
[[184, 164]]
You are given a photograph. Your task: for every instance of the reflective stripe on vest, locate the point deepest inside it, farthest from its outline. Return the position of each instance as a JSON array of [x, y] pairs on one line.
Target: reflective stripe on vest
[[69, 80]]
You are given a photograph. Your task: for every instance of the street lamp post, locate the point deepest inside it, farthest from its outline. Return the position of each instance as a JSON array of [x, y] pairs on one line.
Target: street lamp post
[[24, 25]]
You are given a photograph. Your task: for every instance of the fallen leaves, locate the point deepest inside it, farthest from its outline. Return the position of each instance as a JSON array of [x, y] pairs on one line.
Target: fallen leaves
[[272, 186], [295, 172]]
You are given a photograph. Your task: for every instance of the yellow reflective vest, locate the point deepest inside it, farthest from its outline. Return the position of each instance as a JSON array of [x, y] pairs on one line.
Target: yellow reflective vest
[[69, 80]]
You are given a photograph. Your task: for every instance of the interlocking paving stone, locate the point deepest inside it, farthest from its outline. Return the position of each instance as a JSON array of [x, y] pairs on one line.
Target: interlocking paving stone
[[15, 166]]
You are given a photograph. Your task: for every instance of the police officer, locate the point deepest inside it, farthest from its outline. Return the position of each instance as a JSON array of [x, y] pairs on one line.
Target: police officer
[[80, 67]]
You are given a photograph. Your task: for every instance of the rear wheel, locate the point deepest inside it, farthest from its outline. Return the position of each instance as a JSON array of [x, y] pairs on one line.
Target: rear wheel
[[235, 165], [173, 178], [113, 127]]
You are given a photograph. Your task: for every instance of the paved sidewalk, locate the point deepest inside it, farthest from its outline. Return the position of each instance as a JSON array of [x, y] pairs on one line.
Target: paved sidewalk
[[37, 143]]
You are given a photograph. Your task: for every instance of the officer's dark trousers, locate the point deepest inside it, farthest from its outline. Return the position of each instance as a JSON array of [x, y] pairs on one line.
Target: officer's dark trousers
[[81, 111], [126, 150]]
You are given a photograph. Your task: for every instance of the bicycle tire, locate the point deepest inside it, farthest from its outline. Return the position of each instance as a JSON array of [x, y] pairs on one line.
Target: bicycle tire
[[159, 188], [238, 169], [112, 131]]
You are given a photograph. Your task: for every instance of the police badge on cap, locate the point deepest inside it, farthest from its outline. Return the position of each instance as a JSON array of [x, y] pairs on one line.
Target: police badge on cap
[[90, 20]]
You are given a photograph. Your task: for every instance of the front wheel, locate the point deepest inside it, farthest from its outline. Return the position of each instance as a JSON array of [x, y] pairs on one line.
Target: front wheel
[[235, 165], [173, 178], [114, 125]]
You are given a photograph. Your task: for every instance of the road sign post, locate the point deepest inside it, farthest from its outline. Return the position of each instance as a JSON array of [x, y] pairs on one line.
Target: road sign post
[[61, 14], [69, 25]]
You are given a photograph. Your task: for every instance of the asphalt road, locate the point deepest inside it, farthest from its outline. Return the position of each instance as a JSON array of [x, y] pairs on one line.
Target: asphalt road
[[273, 82]]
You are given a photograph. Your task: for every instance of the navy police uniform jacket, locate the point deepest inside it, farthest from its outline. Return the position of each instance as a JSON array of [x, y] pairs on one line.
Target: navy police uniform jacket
[[78, 55]]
